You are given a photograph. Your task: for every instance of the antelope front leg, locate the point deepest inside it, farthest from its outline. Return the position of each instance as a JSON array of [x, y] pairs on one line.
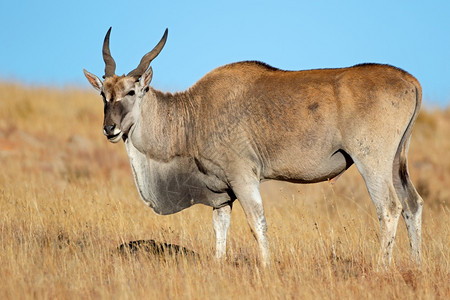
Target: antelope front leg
[[250, 200], [221, 223]]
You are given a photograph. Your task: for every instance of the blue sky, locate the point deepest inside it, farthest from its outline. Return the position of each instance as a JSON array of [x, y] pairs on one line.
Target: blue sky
[[50, 42]]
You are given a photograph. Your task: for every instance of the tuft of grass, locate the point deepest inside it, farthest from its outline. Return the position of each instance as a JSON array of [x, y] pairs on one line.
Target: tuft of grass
[[68, 201]]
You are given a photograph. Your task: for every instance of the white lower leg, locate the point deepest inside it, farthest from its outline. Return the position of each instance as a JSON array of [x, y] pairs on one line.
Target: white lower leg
[[254, 211], [221, 223], [414, 225]]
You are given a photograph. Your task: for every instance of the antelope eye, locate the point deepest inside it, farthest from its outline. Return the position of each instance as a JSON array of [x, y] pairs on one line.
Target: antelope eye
[[130, 93]]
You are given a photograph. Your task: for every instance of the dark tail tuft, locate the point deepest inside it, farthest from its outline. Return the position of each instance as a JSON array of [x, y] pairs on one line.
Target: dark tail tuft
[[403, 170]]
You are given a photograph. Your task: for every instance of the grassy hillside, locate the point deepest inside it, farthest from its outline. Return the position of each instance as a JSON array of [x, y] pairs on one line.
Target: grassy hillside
[[68, 200]]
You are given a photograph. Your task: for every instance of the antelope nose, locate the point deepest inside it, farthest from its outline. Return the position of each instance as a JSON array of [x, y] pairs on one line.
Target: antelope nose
[[109, 129]]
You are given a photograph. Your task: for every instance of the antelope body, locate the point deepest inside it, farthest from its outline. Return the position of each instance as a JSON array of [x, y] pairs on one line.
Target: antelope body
[[247, 122]]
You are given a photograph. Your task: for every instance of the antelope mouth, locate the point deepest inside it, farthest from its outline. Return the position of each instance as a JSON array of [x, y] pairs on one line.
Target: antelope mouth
[[114, 138]]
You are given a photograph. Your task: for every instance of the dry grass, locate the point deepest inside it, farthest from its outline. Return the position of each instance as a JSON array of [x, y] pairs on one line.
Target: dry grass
[[67, 201]]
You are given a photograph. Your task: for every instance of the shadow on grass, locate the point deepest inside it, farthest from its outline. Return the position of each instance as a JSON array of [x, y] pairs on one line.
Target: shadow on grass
[[152, 248]]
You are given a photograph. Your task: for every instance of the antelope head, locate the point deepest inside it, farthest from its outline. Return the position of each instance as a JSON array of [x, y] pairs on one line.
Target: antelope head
[[122, 94]]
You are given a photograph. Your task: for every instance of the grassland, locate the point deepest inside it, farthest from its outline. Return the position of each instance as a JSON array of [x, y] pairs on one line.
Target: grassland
[[68, 200]]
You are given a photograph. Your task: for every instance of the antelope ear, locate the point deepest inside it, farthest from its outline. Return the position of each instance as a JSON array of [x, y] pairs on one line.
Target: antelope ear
[[93, 80], [146, 78]]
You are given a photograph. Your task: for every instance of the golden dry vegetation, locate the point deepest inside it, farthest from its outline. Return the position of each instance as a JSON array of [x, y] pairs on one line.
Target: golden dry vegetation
[[68, 200]]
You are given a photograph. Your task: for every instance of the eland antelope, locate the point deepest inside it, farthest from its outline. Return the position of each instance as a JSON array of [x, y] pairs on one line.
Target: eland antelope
[[247, 122]]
